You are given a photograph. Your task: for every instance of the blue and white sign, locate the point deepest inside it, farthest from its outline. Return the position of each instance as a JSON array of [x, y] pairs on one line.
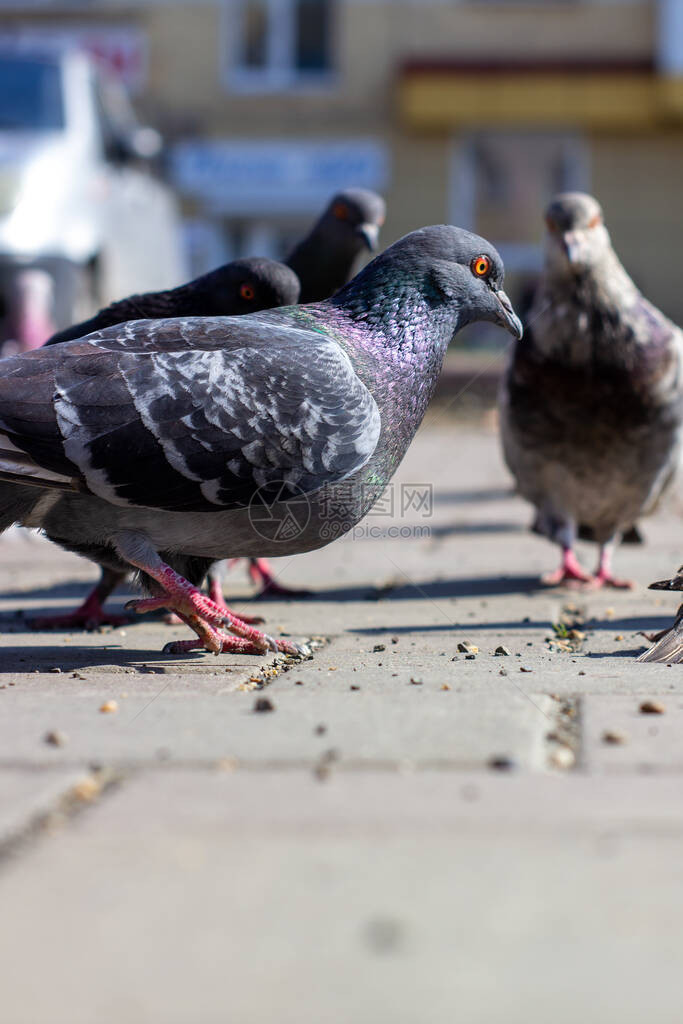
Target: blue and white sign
[[273, 176]]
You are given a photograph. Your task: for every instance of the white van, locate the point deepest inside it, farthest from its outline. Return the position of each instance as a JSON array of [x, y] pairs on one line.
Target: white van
[[83, 219]]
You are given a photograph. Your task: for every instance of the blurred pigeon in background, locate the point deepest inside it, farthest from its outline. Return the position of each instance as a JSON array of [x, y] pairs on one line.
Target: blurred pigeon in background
[[154, 444], [244, 286], [591, 403], [326, 258], [236, 288]]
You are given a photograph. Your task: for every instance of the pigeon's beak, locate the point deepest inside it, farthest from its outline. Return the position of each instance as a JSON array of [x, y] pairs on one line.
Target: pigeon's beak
[[507, 317], [573, 248], [674, 584], [369, 234]]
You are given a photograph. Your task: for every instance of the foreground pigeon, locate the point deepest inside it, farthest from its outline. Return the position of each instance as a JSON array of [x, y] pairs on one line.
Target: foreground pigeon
[[326, 258], [244, 286], [165, 445], [591, 404]]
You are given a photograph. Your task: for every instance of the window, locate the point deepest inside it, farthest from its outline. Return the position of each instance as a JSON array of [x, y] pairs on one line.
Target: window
[[280, 44], [30, 95], [500, 185]]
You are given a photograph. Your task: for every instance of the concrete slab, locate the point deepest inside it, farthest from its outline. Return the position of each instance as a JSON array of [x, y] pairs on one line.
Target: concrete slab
[[260, 898], [618, 737]]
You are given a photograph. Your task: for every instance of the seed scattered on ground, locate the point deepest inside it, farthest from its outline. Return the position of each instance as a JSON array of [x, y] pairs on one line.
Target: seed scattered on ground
[[299, 682], [562, 757], [445, 686], [416, 680], [465, 647], [503, 672], [262, 704], [501, 652], [523, 668], [109, 707], [55, 738], [86, 790], [619, 636], [470, 657], [320, 730], [55, 668], [378, 648], [502, 763], [394, 639], [652, 707], [614, 736], [353, 686]]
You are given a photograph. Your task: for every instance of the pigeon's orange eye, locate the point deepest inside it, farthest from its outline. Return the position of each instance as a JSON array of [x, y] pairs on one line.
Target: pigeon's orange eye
[[340, 211], [247, 292], [597, 219], [481, 266]]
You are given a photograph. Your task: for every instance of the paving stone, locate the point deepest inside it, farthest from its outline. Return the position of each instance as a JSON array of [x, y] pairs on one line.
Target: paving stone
[[268, 897]]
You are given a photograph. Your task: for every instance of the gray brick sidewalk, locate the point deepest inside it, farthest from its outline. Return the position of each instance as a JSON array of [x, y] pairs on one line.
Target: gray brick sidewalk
[[351, 855]]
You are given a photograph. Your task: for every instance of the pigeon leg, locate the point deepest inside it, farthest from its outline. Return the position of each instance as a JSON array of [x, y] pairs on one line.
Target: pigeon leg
[[90, 614], [261, 572], [604, 577], [216, 595], [188, 601], [569, 571]]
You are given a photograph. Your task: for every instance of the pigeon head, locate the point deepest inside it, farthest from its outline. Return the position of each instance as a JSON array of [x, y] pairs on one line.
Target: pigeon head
[[250, 285], [353, 218], [451, 275], [577, 239]]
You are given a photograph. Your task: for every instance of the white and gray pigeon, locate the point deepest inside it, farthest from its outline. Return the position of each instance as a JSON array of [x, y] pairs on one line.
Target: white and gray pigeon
[[591, 404], [161, 445]]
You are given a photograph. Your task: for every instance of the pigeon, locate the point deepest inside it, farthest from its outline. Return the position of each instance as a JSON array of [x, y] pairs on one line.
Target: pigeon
[[244, 286], [668, 643], [591, 405], [165, 445], [325, 259]]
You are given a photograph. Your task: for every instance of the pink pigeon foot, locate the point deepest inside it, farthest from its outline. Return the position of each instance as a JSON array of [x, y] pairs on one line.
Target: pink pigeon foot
[[261, 572], [89, 615], [570, 572], [604, 576], [204, 616]]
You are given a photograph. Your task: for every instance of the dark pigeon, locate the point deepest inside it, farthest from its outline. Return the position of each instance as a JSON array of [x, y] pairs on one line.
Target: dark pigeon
[[244, 286], [164, 445], [591, 405], [326, 258]]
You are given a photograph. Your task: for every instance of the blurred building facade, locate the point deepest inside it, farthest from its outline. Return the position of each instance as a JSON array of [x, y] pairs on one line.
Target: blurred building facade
[[469, 111]]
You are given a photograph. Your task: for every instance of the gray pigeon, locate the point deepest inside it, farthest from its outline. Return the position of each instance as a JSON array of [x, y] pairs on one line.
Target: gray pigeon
[[591, 404], [325, 259], [243, 286], [165, 445]]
